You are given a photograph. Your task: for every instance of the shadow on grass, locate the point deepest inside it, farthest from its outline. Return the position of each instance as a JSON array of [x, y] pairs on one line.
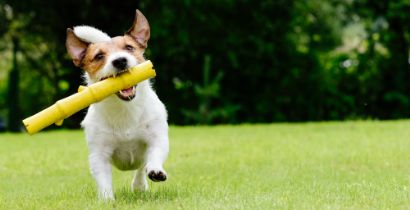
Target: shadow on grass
[[160, 194]]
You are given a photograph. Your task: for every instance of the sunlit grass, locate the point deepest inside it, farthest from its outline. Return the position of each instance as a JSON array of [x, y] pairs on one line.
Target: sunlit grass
[[350, 165]]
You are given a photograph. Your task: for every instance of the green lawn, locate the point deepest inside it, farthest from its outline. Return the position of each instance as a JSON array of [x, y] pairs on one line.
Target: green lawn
[[349, 165]]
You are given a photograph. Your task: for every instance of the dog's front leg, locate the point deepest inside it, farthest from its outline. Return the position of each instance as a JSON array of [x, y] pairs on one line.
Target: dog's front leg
[[156, 154], [102, 173]]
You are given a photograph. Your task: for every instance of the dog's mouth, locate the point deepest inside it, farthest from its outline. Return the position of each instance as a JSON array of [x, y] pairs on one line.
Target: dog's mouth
[[126, 94]]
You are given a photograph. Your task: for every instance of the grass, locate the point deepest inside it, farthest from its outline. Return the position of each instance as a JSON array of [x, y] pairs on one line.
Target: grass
[[349, 165]]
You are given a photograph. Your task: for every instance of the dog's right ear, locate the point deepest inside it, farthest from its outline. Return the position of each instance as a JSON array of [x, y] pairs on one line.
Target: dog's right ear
[[140, 30], [75, 47]]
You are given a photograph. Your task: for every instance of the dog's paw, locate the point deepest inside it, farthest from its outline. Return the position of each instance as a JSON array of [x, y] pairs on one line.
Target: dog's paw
[[140, 185], [106, 196], [157, 175]]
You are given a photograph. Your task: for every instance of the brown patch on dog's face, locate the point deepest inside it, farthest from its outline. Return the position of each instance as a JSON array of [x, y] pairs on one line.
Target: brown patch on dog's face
[[96, 54], [94, 58]]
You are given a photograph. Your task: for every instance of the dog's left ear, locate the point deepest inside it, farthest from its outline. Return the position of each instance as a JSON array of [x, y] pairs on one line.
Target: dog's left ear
[[140, 30]]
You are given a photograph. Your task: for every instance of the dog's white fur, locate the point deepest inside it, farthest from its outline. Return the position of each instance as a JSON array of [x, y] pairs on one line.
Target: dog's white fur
[[128, 134], [90, 34]]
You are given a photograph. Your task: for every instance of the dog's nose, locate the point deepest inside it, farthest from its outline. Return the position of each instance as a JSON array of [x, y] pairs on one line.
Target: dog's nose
[[120, 63]]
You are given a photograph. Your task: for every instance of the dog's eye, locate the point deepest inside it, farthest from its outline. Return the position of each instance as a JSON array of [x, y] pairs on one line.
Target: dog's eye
[[99, 56], [129, 47]]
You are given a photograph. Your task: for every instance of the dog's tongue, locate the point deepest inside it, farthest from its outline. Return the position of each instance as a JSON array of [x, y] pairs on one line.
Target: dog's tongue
[[127, 91]]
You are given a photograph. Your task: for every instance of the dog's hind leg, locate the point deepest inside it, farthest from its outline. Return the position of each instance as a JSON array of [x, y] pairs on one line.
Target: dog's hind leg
[[140, 180]]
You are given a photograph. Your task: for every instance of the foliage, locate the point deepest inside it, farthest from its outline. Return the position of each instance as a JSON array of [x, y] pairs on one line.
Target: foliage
[[269, 60], [205, 93], [350, 165]]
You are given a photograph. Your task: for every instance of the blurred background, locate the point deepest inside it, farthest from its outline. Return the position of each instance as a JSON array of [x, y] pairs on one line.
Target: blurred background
[[225, 61]]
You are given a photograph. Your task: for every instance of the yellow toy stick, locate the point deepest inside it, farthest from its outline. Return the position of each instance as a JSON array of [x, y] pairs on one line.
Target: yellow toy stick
[[96, 92]]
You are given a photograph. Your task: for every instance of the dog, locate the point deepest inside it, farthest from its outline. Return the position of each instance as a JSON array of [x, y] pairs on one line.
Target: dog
[[129, 129]]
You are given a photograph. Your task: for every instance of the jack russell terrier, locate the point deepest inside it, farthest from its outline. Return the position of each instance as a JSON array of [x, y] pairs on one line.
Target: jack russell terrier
[[128, 130]]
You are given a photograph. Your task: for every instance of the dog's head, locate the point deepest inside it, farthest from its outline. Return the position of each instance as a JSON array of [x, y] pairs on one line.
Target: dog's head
[[102, 56]]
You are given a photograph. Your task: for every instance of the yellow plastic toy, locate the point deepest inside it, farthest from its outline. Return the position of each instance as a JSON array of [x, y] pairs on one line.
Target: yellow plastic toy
[[86, 96]]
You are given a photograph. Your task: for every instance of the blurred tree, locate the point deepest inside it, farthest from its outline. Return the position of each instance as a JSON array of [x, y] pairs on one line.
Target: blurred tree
[[280, 60], [207, 93], [47, 72], [378, 65], [13, 92]]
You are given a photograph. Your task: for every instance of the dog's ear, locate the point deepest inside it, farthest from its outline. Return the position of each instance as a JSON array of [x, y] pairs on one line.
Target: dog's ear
[[140, 30], [75, 47]]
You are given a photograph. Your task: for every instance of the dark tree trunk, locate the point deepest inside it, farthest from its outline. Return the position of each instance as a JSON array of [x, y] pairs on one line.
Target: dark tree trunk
[[13, 90]]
